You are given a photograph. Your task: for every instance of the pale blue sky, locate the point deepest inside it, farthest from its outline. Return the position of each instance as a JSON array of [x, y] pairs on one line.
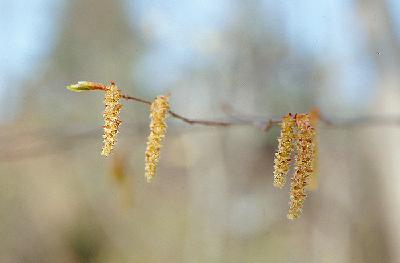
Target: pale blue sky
[[326, 29]]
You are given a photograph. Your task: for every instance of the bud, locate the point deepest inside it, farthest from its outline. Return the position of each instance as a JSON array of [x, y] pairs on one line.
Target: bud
[[85, 85]]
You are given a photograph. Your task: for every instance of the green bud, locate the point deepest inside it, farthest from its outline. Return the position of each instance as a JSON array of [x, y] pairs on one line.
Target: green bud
[[81, 86]]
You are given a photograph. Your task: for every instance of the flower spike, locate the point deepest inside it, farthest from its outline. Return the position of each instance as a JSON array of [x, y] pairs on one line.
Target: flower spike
[[111, 118], [158, 128], [285, 148], [304, 165]]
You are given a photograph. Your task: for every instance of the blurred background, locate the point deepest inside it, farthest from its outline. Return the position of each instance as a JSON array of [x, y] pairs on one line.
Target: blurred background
[[213, 198]]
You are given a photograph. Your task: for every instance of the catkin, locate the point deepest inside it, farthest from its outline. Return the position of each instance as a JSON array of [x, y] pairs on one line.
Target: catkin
[[314, 118], [304, 165], [285, 148], [158, 128], [111, 118]]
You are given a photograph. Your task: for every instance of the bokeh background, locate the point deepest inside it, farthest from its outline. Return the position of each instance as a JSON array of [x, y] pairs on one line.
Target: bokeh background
[[213, 199]]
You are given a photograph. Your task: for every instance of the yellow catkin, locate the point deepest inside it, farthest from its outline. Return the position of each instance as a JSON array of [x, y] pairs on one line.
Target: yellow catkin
[[304, 165], [111, 118], [314, 118], [285, 148], [158, 127]]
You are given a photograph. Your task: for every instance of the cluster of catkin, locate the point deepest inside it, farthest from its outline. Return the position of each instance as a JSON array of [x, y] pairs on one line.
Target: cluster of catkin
[[159, 109], [297, 138]]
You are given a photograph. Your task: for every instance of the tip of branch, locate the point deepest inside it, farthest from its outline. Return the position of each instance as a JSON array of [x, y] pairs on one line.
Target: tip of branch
[[84, 86]]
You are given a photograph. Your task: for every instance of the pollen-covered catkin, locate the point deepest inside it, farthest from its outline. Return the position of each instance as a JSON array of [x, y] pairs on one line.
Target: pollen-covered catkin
[[314, 118], [158, 128], [111, 118], [304, 165], [285, 148]]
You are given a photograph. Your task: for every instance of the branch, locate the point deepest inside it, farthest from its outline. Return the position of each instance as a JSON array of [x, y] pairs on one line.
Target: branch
[[87, 85], [265, 127], [262, 123]]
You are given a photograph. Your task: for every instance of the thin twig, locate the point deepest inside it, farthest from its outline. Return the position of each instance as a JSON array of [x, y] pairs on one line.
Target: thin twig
[[127, 97], [387, 120], [265, 126]]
